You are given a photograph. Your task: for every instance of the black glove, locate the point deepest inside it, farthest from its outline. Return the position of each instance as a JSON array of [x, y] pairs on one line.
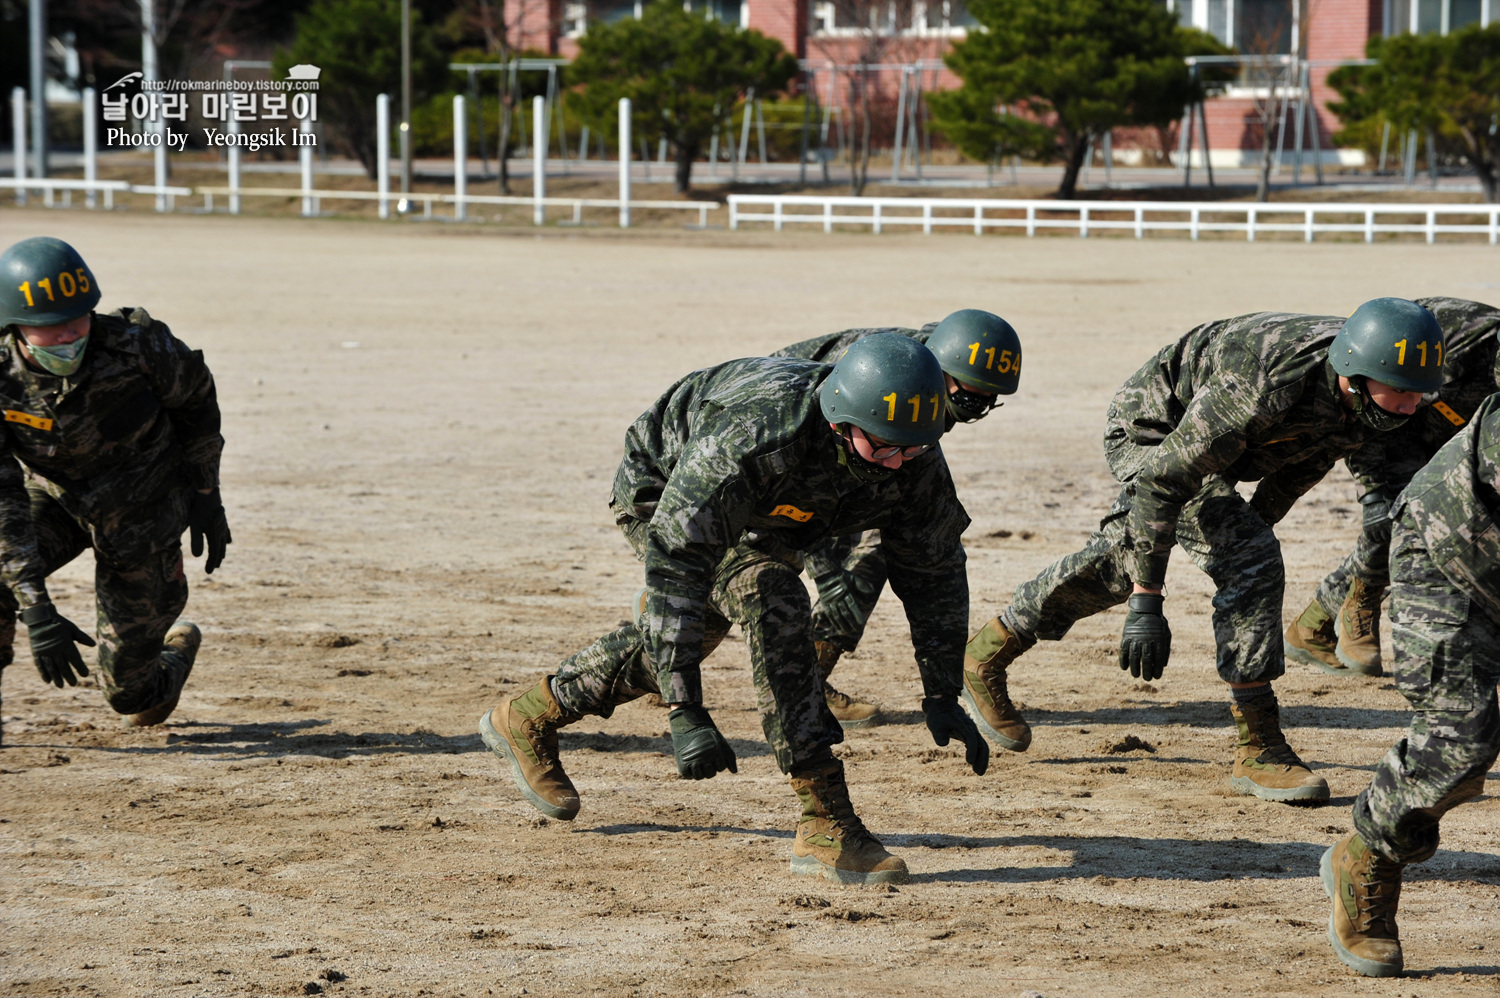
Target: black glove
[[701, 751], [836, 595], [53, 646], [946, 719], [1146, 642], [206, 519], [1377, 518]]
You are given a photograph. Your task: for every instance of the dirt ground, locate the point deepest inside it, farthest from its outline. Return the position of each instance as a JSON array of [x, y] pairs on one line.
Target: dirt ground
[[422, 425]]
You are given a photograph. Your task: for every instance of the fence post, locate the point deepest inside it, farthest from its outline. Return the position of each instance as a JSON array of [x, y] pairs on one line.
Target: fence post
[[1370, 225], [18, 137], [305, 156], [1308, 224], [1250, 226], [624, 162], [91, 143], [1140, 223], [538, 159], [460, 156], [382, 153], [1083, 223]]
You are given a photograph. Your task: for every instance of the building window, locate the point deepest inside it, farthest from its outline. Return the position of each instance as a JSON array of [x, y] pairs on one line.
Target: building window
[[730, 11], [1437, 16]]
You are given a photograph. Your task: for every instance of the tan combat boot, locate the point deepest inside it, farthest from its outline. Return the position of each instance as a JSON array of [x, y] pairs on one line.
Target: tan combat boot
[[523, 732], [1358, 630], [849, 712], [1310, 639], [831, 840], [1365, 890], [1264, 764], [178, 652], [986, 657]]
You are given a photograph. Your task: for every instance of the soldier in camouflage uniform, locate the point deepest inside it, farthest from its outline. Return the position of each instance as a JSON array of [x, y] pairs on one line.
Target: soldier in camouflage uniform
[[1271, 398], [980, 355], [1339, 632], [1445, 629], [732, 473], [111, 442]]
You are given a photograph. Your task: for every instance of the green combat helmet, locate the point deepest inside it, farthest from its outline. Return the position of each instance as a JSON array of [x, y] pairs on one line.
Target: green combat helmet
[[890, 386], [1393, 341], [981, 350], [44, 282]]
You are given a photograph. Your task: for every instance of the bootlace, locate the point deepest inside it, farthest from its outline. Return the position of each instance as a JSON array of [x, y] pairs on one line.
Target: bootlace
[[841, 812], [994, 682], [543, 739], [1366, 605], [1280, 754], [1382, 892], [836, 697]]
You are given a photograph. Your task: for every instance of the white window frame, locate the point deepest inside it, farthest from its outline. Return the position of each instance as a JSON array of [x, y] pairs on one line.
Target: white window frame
[[1487, 14]]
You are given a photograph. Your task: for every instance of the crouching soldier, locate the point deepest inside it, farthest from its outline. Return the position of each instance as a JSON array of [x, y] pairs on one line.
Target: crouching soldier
[[111, 443], [732, 472], [1445, 629]]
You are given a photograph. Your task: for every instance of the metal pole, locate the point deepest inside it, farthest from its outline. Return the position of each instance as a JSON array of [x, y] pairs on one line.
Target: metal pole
[[91, 142], [38, 40], [1185, 145], [760, 127], [305, 159], [234, 167], [806, 121], [383, 152], [1432, 159], [149, 74], [745, 116], [1301, 123], [624, 162], [18, 138], [1312, 121], [1208, 162], [1411, 157], [900, 129], [538, 159], [1109, 158], [460, 155], [404, 205], [1385, 145]]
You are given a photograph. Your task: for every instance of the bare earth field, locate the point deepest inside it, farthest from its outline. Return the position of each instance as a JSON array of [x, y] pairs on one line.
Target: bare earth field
[[422, 425]]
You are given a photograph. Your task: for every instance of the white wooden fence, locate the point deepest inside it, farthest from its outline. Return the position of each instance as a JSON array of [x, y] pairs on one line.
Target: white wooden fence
[[1137, 217]]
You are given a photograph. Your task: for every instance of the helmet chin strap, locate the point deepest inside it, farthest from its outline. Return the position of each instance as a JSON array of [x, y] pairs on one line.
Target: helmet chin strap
[[863, 471], [1369, 410]]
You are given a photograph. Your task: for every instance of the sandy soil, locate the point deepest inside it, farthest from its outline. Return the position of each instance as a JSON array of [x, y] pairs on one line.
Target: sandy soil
[[422, 426]]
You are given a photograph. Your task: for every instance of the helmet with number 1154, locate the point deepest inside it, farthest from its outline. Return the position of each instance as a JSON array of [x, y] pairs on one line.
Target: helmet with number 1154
[[983, 352], [44, 282]]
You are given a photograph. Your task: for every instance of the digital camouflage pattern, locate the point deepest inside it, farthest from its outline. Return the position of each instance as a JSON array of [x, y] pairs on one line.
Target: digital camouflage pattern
[[104, 459], [827, 349], [1445, 627], [1387, 461]]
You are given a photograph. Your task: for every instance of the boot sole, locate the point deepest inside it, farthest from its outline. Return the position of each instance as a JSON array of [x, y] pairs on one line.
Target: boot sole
[[1354, 665], [973, 711], [873, 721], [1358, 964], [498, 745], [1306, 657], [1284, 795], [809, 866]]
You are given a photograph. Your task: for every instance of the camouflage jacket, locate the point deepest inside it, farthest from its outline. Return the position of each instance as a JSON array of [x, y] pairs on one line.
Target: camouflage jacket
[[1454, 502], [740, 454], [1470, 375], [137, 421], [1248, 399]]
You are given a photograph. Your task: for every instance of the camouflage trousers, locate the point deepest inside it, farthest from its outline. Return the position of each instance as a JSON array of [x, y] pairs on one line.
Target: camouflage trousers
[[137, 601], [1447, 663], [1220, 533], [760, 590], [863, 559], [1370, 562]]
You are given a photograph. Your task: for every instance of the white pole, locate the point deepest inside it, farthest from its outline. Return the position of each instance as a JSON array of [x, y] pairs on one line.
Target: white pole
[[383, 152], [460, 156], [538, 158], [624, 162], [91, 142], [149, 74], [234, 166], [305, 158], [18, 137]]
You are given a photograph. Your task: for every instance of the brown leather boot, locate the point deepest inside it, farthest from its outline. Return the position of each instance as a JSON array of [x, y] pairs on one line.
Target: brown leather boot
[[849, 712], [1264, 764], [523, 732], [1310, 639], [1358, 630], [179, 649], [1365, 890], [831, 840], [986, 657]]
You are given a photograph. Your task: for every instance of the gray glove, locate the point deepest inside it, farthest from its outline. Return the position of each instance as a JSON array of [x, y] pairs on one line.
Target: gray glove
[[1146, 642], [700, 749], [836, 595], [946, 719], [1377, 517], [54, 644]]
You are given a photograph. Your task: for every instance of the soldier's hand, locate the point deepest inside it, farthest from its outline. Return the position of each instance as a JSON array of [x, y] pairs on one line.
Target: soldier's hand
[[206, 519], [946, 719], [700, 749], [54, 644], [1376, 522], [1146, 643], [836, 595]]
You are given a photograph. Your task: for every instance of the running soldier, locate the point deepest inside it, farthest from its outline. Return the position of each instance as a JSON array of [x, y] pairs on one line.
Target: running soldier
[[111, 442], [732, 473], [980, 355], [1269, 397], [1339, 632], [1445, 629]]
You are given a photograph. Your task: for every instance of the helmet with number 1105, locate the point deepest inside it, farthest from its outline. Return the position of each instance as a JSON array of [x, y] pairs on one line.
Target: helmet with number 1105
[[891, 387], [44, 282], [982, 351]]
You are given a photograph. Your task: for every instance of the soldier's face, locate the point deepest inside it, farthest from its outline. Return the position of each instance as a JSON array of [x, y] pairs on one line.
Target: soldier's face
[[867, 447], [59, 335], [1393, 399]]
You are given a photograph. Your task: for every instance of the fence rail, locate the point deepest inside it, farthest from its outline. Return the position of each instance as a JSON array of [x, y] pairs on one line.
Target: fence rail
[[1139, 217]]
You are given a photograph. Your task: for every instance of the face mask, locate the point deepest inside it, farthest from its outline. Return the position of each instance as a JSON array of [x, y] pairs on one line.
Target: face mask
[[863, 471], [60, 360], [965, 406], [1371, 414]]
